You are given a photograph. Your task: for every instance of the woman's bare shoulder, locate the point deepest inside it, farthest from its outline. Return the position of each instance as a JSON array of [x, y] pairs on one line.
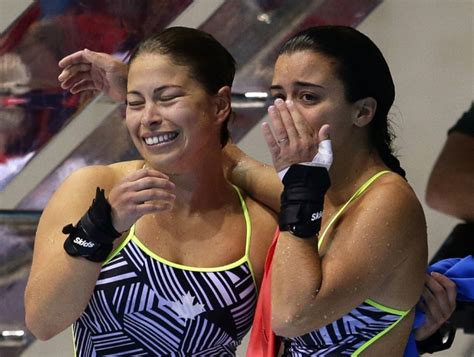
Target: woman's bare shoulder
[[264, 220], [393, 201]]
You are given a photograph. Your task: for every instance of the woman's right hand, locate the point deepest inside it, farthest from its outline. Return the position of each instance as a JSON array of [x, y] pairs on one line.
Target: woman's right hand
[[87, 70], [142, 192], [294, 140]]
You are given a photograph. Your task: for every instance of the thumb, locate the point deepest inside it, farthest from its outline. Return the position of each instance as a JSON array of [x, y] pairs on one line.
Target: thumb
[[324, 156], [323, 133], [99, 59]]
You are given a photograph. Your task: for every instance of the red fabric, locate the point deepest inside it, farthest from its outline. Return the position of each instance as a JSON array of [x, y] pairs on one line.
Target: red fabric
[[263, 342]]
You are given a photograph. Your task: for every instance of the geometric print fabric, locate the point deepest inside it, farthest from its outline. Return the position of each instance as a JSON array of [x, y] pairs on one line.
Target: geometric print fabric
[[144, 307], [353, 332]]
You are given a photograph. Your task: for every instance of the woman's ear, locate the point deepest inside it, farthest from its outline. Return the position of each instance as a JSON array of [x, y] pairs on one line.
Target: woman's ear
[[223, 103], [364, 111]]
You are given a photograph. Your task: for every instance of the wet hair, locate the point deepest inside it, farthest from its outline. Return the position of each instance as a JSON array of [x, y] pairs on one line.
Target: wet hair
[[364, 72], [209, 63]]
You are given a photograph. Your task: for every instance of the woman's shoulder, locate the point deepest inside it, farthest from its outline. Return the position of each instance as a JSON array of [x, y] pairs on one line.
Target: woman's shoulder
[[86, 179], [105, 175], [391, 198], [263, 219], [392, 189]]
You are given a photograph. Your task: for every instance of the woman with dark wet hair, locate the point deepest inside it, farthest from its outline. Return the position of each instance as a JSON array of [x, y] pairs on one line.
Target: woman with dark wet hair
[[168, 256]]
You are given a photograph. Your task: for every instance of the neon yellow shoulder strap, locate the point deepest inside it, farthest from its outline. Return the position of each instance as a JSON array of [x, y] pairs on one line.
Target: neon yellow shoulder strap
[[358, 193]]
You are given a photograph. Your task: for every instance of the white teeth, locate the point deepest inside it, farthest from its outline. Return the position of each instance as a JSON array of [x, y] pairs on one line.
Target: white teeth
[[162, 138]]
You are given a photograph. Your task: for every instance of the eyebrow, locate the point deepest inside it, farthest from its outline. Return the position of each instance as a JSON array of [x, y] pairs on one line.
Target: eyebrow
[[298, 84], [156, 90]]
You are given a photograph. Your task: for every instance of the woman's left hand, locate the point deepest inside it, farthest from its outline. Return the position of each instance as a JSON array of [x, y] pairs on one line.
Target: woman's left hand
[[438, 302], [295, 140]]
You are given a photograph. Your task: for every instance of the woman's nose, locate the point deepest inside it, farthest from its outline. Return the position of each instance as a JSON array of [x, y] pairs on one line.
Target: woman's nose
[[151, 116]]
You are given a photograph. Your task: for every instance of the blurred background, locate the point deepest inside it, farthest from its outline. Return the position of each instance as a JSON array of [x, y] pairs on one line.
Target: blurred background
[[46, 133]]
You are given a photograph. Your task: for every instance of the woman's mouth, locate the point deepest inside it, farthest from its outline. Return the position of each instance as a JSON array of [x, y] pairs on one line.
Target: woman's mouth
[[161, 138]]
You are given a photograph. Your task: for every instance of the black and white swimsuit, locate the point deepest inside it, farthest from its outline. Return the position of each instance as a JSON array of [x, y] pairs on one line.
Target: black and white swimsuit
[[144, 305]]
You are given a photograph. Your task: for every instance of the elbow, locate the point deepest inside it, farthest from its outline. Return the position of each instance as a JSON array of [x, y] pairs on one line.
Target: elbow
[[38, 329], [287, 321], [39, 326], [436, 195]]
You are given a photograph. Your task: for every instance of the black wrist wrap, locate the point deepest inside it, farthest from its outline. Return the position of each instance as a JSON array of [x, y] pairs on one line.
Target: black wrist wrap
[[93, 235], [302, 200]]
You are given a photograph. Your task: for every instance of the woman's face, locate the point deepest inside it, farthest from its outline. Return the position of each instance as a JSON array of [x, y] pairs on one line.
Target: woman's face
[[309, 80], [169, 114]]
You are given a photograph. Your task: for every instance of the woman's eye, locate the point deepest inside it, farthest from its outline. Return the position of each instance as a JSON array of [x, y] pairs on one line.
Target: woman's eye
[[134, 103], [308, 98], [168, 98]]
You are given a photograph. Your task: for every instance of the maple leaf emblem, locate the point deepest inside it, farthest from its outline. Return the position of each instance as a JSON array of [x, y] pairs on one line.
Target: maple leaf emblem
[[186, 309]]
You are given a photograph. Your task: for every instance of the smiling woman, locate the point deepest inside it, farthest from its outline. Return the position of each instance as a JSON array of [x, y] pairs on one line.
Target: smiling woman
[[167, 259]]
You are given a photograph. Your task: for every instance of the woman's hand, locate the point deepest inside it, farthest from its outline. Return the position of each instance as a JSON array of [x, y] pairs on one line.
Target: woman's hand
[[438, 303], [295, 141], [87, 70], [142, 192]]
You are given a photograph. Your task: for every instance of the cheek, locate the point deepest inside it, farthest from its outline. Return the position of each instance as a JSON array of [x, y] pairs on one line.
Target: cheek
[[316, 117], [132, 122]]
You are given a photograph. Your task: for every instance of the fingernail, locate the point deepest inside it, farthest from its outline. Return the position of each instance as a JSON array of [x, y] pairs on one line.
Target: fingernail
[[271, 108], [289, 102], [279, 101]]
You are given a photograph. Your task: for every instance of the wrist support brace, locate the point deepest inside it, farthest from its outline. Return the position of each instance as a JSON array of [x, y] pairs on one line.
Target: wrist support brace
[[302, 200], [93, 235]]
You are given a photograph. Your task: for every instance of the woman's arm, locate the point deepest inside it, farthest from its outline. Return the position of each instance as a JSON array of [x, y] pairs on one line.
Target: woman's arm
[[260, 181], [451, 183], [384, 229], [60, 286]]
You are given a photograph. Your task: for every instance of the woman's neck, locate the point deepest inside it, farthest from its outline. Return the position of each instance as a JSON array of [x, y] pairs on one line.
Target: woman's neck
[[202, 189]]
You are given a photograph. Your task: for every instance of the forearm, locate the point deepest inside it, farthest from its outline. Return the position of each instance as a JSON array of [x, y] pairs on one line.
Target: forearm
[[258, 179], [451, 183], [260, 182], [453, 195], [57, 293], [296, 283]]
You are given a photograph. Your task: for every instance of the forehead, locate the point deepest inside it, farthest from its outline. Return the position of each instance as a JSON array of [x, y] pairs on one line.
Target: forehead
[[152, 68], [306, 66]]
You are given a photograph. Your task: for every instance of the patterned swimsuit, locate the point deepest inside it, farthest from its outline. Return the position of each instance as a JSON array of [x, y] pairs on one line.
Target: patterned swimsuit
[[144, 305]]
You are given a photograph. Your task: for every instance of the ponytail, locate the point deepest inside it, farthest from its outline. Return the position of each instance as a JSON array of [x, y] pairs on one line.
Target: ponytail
[[381, 138]]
